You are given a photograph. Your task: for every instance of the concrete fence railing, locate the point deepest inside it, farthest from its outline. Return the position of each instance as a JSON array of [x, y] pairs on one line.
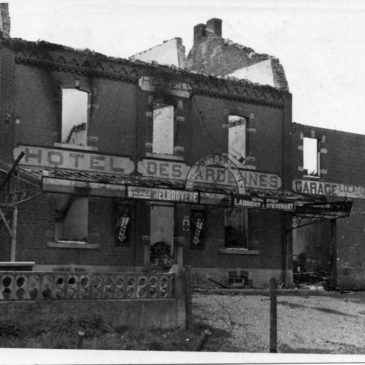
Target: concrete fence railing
[[23, 285]]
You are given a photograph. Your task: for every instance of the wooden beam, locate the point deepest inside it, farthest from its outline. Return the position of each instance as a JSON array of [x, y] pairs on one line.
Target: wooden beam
[[13, 238], [3, 218]]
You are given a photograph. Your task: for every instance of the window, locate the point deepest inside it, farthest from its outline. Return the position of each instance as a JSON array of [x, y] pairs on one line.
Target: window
[[163, 129], [311, 156], [236, 228], [74, 116], [198, 229], [71, 221], [123, 226], [237, 137]]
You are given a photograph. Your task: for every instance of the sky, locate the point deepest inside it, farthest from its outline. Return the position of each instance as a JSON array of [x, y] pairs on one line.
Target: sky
[[321, 44]]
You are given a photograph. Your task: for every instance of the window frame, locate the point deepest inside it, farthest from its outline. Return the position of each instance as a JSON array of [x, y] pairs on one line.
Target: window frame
[[159, 104], [232, 124], [64, 114], [318, 158]]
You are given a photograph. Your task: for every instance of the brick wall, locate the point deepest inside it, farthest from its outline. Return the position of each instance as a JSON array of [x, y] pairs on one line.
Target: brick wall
[[119, 123], [343, 160], [212, 54]]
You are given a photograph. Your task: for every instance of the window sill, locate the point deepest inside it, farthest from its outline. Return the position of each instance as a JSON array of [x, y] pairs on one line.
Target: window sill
[[237, 251], [73, 244], [314, 177], [165, 156]]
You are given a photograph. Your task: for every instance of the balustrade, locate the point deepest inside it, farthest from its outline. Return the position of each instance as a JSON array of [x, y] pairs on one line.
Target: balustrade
[[23, 285]]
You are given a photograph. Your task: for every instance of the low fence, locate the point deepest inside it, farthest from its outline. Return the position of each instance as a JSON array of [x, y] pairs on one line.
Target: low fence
[[15, 286]]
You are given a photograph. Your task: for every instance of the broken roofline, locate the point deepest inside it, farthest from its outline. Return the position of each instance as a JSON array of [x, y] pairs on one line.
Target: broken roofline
[[20, 46]]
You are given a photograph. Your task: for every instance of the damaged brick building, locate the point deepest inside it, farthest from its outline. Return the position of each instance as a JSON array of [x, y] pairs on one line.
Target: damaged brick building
[[130, 165]]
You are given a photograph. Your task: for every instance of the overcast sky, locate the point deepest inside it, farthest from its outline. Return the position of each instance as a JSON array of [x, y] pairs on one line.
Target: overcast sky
[[321, 43]]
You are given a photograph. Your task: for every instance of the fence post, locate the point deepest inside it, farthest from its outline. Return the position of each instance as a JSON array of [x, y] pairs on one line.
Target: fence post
[[273, 316], [80, 339], [188, 299]]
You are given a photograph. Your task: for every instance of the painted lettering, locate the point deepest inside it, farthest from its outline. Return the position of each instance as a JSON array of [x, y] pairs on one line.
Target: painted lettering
[[97, 162], [113, 168], [55, 158], [76, 157], [164, 170], [151, 167], [176, 171], [35, 155]]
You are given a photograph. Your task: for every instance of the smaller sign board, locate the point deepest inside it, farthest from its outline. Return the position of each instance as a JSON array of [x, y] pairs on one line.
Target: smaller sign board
[[186, 224], [264, 203], [161, 194]]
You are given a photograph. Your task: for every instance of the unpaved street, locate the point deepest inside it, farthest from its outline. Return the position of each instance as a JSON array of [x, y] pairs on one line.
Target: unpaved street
[[314, 324]]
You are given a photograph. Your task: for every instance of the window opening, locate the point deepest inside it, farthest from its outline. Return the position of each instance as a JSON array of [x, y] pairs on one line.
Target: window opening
[[311, 156], [163, 129], [74, 116], [237, 137], [71, 220], [236, 228]]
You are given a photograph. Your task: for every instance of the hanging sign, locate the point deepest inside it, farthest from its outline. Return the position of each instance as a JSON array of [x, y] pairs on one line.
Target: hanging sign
[[186, 224], [122, 233]]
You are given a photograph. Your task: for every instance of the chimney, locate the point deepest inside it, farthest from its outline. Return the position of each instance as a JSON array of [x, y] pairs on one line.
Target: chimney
[[4, 20], [214, 27], [199, 33]]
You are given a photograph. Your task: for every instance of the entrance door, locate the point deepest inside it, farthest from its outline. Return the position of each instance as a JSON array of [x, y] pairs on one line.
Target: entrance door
[[162, 232]]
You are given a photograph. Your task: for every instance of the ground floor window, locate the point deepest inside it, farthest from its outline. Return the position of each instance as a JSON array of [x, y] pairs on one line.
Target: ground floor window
[[236, 228], [71, 223]]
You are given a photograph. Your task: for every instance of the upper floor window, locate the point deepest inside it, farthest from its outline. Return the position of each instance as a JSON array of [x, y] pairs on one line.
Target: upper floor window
[[237, 137], [163, 129], [311, 156], [74, 116]]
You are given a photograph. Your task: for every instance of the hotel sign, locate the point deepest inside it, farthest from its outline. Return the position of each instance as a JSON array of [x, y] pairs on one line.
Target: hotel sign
[[74, 160], [174, 170], [329, 189], [152, 84], [159, 194]]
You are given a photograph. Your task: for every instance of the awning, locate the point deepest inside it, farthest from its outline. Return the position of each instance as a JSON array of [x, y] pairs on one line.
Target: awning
[[89, 183]]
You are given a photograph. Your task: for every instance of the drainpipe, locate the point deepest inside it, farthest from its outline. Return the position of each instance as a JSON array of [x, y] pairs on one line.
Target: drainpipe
[[285, 231]]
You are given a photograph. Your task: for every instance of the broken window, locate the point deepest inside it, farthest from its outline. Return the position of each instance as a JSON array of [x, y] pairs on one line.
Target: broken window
[[71, 218], [237, 137], [311, 156], [74, 117], [236, 228], [163, 129]]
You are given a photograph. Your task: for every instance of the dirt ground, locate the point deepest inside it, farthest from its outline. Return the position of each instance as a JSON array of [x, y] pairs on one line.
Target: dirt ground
[[306, 324]]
